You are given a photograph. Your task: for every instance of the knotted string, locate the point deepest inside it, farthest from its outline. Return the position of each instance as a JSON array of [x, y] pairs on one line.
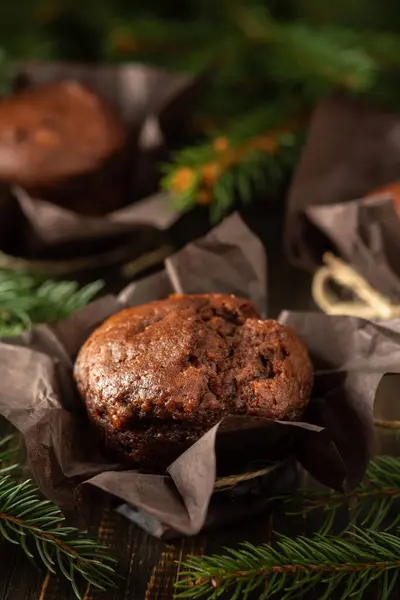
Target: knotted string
[[367, 304]]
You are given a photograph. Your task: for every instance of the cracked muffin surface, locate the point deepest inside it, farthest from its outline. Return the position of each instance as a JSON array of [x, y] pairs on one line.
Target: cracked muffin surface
[[156, 377]]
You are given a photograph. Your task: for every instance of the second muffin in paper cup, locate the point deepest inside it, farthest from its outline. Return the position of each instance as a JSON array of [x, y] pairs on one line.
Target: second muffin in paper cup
[[332, 441], [73, 197]]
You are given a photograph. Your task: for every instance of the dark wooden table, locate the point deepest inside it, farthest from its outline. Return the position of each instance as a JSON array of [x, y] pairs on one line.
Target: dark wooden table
[[149, 567]]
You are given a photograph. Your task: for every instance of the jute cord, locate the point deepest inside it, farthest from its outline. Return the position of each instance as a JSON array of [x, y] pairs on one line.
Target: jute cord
[[233, 480], [121, 255], [383, 424], [370, 303]]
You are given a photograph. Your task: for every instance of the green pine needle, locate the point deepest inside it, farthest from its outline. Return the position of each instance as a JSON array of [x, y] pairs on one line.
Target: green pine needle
[[295, 565], [9, 451], [36, 525], [257, 172], [260, 172], [24, 301], [370, 505]]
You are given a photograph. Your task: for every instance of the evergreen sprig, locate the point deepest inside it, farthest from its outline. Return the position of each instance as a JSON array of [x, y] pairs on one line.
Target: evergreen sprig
[[293, 51], [292, 567], [370, 505], [24, 300], [304, 53], [36, 526], [250, 158], [8, 454]]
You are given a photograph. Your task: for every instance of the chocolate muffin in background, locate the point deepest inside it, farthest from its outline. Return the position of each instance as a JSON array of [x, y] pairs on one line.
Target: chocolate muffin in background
[[391, 190], [63, 143], [155, 378]]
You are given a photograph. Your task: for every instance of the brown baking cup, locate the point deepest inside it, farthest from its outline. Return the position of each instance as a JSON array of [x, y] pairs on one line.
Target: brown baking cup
[[125, 242], [366, 234], [352, 149], [126, 260], [154, 106], [254, 457]]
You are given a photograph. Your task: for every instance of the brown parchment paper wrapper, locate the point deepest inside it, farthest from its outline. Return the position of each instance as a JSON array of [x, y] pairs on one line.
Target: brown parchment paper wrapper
[[39, 398], [154, 105], [366, 233], [351, 150]]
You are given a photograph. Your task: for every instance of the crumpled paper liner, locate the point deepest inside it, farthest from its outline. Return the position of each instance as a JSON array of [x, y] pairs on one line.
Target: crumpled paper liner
[[351, 150], [366, 233], [39, 397], [155, 107]]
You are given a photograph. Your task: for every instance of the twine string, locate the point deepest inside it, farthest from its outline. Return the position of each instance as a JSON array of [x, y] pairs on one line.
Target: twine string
[[368, 302], [233, 480]]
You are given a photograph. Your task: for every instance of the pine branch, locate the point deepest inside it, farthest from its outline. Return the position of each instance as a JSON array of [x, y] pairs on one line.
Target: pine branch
[[301, 53], [294, 51], [8, 454], [370, 505], [36, 525], [294, 566], [25, 519], [25, 301], [250, 158], [165, 43]]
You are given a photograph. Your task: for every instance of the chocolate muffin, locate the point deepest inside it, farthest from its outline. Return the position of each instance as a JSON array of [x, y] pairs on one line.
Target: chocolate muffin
[[156, 377], [388, 191], [57, 140]]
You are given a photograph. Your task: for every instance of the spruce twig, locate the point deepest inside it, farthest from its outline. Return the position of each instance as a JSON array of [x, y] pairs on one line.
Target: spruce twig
[[26, 520], [36, 525], [369, 505], [294, 566], [250, 157], [8, 454], [24, 300]]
